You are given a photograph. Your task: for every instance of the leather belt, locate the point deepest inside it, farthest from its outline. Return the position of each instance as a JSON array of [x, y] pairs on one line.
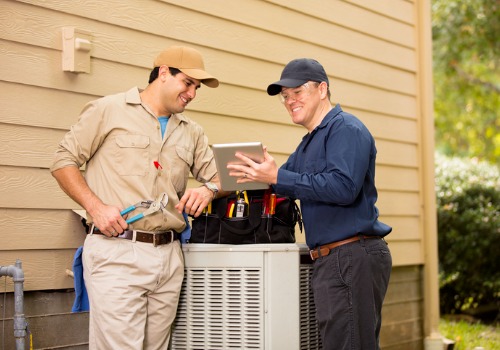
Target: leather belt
[[156, 238], [324, 250]]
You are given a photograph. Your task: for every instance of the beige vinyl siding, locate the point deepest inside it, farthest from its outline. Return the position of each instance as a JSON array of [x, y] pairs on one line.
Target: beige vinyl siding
[[368, 49]]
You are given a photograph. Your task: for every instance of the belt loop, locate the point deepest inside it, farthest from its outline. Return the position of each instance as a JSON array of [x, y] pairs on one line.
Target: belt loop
[[172, 236], [134, 236], [319, 252], [155, 243], [362, 239]]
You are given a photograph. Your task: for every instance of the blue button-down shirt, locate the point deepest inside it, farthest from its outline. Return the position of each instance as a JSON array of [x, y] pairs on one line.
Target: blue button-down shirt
[[332, 173]]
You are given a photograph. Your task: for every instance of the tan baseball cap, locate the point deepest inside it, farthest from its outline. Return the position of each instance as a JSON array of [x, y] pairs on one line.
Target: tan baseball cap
[[188, 61]]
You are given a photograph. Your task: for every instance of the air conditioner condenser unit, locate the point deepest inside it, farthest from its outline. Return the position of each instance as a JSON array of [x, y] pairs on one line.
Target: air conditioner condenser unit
[[246, 297]]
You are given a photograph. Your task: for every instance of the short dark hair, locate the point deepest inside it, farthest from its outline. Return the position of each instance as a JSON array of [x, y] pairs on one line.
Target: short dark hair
[[316, 83], [156, 70]]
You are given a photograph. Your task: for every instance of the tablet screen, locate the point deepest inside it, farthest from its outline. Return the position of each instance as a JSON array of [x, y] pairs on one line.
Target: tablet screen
[[225, 153]]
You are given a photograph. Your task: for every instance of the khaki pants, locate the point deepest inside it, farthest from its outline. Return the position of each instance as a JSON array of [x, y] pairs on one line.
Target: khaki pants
[[133, 291]]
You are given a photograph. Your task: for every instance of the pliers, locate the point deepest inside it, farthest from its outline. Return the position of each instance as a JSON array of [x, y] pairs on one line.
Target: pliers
[[152, 207]]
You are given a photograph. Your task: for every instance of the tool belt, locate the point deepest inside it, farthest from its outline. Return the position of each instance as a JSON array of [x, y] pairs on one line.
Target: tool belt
[[248, 217], [156, 238], [324, 250]]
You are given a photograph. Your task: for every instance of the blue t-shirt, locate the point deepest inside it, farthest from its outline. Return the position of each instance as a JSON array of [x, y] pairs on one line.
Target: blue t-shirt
[[163, 124], [332, 173]]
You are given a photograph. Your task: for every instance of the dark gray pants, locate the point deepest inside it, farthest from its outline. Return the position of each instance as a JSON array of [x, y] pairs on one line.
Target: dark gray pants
[[349, 287]]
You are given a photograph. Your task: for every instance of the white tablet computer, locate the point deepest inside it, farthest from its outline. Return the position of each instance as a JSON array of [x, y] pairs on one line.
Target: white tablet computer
[[225, 153]]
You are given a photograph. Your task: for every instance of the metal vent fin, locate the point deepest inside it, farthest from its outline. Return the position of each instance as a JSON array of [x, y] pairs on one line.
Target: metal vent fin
[[220, 309], [309, 331]]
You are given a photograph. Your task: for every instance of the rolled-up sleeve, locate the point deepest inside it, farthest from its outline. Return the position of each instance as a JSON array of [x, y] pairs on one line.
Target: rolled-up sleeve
[[81, 141]]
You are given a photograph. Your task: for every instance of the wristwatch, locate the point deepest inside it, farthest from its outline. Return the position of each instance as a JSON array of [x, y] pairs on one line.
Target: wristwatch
[[212, 187]]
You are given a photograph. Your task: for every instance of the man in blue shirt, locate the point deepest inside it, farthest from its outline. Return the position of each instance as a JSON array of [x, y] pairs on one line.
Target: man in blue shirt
[[332, 173]]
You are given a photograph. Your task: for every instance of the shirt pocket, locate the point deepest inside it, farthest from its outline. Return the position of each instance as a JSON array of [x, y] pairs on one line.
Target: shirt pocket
[[180, 170], [132, 155]]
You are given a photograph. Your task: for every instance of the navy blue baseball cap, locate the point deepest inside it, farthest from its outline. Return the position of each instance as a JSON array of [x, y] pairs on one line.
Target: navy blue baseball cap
[[298, 72]]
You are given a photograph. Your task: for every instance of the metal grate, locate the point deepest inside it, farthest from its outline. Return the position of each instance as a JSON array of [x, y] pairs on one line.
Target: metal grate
[[220, 309], [309, 331]]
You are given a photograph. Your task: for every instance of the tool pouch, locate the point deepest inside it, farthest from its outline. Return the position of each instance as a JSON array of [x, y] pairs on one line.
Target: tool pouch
[[255, 226]]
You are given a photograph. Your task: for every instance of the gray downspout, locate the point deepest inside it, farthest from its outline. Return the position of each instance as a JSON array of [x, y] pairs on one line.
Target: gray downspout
[[17, 274]]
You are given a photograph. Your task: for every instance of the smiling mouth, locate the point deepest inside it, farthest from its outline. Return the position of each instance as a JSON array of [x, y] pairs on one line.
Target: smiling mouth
[[295, 109], [185, 100]]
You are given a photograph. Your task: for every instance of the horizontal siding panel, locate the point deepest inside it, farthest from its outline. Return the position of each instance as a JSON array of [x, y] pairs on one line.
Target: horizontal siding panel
[[355, 18], [184, 24], [109, 41], [31, 188], [254, 104], [406, 253], [406, 274], [404, 287], [114, 43], [402, 335], [398, 203], [43, 269], [375, 100], [409, 309], [401, 129], [60, 331], [412, 344], [49, 72], [401, 10], [397, 179], [22, 229], [282, 21], [397, 154], [221, 100], [28, 146], [278, 138], [48, 108], [401, 332], [403, 227], [403, 305]]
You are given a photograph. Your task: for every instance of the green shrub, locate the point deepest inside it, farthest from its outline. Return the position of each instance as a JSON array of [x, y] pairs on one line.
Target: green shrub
[[468, 199]]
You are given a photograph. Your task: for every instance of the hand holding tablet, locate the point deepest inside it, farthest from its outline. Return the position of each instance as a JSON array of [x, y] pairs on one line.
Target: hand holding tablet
[[225, 154]]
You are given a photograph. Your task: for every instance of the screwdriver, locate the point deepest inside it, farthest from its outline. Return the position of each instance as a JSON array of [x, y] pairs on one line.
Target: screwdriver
[[272, 203]]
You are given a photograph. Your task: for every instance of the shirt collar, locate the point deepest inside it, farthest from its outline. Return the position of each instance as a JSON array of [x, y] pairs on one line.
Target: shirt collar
[[329, 117]]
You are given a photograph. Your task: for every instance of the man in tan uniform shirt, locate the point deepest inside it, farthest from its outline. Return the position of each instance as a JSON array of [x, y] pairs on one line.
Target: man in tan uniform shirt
[[133, 285]]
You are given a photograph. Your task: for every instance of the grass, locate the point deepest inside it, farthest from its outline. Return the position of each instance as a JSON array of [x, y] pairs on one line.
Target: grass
[[469, 335]]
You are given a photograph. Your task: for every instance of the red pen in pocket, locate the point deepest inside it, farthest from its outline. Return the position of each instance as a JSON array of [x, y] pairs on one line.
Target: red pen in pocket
[[157, 165]]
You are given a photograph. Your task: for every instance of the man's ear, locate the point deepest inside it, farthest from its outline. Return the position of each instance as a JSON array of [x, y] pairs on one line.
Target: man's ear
[[163, 73], [323, 88]]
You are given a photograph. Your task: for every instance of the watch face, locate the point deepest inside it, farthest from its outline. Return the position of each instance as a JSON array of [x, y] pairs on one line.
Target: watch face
[[211, 186]]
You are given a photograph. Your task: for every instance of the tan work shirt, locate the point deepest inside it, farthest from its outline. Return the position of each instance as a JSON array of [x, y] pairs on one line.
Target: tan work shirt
[[120, 139]]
